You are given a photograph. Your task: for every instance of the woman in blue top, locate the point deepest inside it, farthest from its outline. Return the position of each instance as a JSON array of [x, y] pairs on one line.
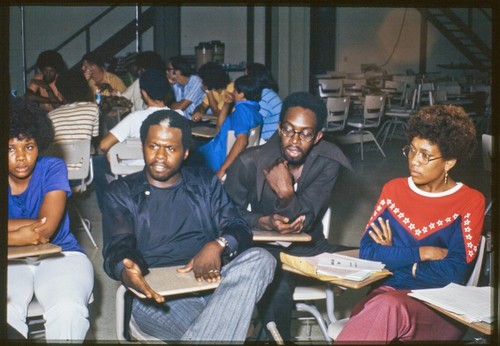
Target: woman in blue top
[[244, 117], [38, 188], [270, 102]]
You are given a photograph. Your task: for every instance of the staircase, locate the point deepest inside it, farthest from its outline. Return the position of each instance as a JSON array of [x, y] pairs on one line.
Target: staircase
[[461, 35], [118, 41]]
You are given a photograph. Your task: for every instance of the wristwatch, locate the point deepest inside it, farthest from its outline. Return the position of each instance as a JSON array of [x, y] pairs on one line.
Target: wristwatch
[[224, 243]]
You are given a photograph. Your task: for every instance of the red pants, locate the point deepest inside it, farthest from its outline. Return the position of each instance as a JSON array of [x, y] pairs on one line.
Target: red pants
[[387, 314]]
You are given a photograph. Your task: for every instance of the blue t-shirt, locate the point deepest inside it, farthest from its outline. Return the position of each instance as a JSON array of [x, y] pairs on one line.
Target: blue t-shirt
[[244, 117], [270, 109], [50, 174]]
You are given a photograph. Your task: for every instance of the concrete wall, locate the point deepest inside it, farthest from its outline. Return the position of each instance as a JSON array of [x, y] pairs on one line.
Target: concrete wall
[[369, 35]]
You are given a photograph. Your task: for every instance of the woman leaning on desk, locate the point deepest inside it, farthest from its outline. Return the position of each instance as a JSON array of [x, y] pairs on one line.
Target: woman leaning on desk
[[426, 228], [38, 188]]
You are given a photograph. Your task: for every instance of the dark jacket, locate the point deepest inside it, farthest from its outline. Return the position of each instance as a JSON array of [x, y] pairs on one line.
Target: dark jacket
[[126, 219], [246, 185]]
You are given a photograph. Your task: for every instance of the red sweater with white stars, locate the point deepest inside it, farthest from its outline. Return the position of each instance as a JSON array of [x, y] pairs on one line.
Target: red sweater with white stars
[[452, 219]]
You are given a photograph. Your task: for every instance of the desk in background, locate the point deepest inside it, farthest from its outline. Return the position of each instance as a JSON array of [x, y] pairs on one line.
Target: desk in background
[[204, 131]]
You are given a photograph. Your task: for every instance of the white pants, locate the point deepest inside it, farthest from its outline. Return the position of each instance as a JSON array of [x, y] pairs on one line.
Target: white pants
[[62, 284]]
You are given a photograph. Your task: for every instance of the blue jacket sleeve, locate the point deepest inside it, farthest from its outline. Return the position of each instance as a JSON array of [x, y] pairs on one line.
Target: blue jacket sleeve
[[118, 232]]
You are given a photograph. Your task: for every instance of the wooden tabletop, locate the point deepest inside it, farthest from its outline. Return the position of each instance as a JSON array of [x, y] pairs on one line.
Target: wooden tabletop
[[166, 281], [204, 131], [14, 252], [276, 236]]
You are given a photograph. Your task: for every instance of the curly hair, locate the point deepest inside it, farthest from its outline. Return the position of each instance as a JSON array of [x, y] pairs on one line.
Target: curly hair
[[213, 76], [28, 121], [51, 58], [308, 101], [448, 127]]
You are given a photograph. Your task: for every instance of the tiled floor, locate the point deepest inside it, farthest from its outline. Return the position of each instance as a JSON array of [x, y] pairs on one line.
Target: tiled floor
[[354, 196]]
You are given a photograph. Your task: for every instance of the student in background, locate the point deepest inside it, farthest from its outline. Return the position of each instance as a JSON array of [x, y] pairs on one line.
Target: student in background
[[100, 80], [42, 88], [78, 117], [244, 117], [218, 88], [186, 85], [270, 102], [143, 62]]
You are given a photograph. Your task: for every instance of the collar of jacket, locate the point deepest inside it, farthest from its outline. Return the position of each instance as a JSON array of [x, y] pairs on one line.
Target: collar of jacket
[[272, 151]]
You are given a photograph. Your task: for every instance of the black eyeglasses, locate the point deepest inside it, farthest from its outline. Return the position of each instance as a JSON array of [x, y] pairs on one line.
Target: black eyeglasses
[[410, 152], [304, 135]]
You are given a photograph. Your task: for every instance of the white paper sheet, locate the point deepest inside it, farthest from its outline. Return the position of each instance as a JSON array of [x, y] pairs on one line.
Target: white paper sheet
[[474, 303]]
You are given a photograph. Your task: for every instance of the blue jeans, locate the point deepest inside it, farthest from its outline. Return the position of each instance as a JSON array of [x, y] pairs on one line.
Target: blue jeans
[[222, 316]]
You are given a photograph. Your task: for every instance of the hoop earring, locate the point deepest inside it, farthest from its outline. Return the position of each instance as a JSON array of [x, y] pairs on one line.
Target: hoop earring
[[445, 177]]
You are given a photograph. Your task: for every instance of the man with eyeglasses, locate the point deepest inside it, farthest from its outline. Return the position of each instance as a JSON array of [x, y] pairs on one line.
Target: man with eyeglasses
[[287, 183]]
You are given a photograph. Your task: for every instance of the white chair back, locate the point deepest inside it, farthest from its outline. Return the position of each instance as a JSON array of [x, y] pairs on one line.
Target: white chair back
[[76, 154], [330, 87], [474, 276], [487, 141], [373, 110], [338, 110], [129, 149], [253, 138]]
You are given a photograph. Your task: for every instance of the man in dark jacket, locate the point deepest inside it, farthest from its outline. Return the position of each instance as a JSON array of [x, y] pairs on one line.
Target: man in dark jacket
[[287, 184], [167, 215]]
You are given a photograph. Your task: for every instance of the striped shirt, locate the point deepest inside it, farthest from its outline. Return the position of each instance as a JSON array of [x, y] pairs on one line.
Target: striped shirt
[[270, 109], [79, 120], [191, 91]]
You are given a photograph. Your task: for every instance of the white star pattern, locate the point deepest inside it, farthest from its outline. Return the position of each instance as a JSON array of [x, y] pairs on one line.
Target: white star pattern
[[387, 203]]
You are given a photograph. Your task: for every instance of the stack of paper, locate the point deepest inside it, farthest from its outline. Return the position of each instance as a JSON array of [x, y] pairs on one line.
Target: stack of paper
[[473, 303], [345, 267]]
